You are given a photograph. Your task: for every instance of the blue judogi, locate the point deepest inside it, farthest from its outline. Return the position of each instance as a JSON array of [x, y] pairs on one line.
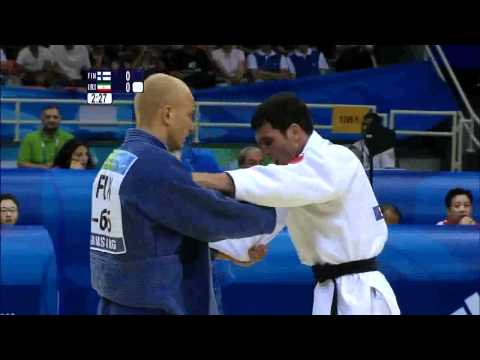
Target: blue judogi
[[160, 263]]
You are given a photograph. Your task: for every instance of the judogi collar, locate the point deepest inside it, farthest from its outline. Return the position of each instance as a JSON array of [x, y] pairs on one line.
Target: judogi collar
[[143, 136]]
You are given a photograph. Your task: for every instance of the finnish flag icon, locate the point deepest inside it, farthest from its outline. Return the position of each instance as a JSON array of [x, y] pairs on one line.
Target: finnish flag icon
[[104, 76]]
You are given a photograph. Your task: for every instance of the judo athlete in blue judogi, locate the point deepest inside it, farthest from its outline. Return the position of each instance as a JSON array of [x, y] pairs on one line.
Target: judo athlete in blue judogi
[[151, 223]]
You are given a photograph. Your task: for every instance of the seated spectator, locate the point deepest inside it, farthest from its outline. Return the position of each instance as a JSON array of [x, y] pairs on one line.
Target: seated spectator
[[114, 55], [150, 61], [247, 49], [354, 57], [35, 65], [3, 57], [132, 56], [387, 54], [74, 155], [391, 214], [230, 62], [99, 57], [193, 66], [284, 49], [458, 203], [73, 62], [386, 157], [250, 156], [3, 66], [39, 148], [307, 61], [9, 209], [266, 64]]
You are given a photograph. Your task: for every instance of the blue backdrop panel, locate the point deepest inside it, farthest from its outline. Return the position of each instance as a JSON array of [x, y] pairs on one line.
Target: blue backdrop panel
[[420, 195], [431, 270], [60, 200], [74, 191], [463, 57], [413, 86], [28, 276]]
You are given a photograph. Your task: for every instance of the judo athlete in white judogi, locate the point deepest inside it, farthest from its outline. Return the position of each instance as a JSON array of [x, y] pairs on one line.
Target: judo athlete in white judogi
[[333, 217]]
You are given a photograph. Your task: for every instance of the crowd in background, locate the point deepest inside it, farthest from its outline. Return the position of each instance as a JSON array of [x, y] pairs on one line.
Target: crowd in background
[[200, 66]]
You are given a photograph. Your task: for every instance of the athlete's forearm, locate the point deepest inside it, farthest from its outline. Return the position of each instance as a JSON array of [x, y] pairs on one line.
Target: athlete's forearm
[[220, 182]]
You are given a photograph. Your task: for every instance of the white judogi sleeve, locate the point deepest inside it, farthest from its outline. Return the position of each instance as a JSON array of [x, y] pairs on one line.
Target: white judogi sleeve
[[238, 248], [312, 180]]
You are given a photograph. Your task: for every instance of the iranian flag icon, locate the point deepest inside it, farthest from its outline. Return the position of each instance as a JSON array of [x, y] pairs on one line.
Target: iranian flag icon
[[104, 87]]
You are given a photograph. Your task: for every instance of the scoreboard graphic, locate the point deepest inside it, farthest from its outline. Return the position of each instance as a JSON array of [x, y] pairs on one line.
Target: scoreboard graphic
[[103, 84]]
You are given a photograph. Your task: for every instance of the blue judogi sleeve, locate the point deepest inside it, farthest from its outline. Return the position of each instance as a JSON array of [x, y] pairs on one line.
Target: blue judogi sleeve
[[168, 196]]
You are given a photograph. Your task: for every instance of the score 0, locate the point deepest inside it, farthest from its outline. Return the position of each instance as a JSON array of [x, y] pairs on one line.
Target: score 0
[[136, 86]]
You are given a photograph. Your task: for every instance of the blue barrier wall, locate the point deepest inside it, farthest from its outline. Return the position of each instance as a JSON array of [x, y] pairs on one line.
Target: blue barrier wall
[[420, 195], [60, 200], [431, 270], [28, 271]]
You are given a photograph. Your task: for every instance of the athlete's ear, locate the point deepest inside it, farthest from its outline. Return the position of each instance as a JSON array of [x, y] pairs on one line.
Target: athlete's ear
[[294, 131], [166, 115]]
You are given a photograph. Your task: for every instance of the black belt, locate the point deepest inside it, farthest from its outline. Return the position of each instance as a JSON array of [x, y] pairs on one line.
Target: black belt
[[331, 272]]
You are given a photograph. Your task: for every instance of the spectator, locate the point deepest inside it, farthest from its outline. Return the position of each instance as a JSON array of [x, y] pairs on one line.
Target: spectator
[[8, 68], [231, 64], [354, 57], [250, 156], [3, 57], [114, 54], [307, 61], [192, 65], [247, 49], [99, 57], [386, 143], [39, 148], [73, 61], [132, 56], [391, 214], [35, 65], [284, 49], [150, 60], [3, 66], [9, 209], [266, 64], [459, 205], [387, 54], [328, 50], [74, 154]]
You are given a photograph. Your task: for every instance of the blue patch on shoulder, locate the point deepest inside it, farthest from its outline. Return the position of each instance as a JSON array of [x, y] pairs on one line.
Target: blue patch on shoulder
[[119, 161], [378, 213]]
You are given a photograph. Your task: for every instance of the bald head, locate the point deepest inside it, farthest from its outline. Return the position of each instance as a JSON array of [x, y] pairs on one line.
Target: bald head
[[165, 109], [160, 90]]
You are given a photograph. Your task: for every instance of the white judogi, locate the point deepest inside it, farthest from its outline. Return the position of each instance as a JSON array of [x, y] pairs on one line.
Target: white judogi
[[238, 248], [331, 219]]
